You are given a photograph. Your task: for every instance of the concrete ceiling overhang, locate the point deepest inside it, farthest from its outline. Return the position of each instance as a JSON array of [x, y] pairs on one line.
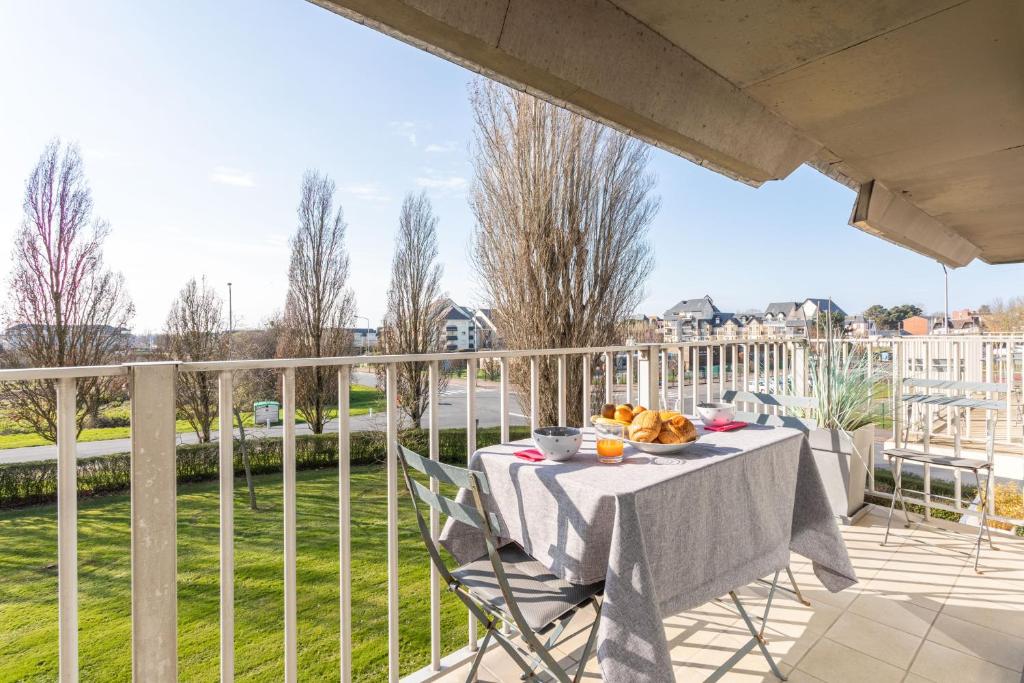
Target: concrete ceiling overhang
[[918, 105]]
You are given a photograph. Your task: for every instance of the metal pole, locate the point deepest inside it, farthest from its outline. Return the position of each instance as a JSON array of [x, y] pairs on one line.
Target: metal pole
[[945, 322]]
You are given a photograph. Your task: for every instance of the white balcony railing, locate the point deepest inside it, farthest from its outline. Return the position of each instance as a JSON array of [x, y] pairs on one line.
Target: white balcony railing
[[654, 375], [988, 359]]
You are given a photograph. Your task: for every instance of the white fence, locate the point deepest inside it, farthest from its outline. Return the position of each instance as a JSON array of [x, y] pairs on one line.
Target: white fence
[[653, 375]]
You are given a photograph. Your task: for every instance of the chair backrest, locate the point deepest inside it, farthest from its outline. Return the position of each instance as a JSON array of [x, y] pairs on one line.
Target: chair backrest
[[955, 394], [475, 482], [784, 401], [474, 515], [942, 393]]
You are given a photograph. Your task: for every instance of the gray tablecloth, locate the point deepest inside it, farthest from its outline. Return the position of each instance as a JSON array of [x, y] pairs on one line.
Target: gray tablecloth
[[665, 533]]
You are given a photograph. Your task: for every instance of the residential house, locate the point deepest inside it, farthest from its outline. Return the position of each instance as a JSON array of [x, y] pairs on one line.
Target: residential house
[[812, 308], [691, 319], [469, 329], [775, 317], [916, 325], [859, 326], [751, 325], [733, 328], [966, 321], [968, 326], [795, 318], [364, 338], [486, 329], [459, 328]]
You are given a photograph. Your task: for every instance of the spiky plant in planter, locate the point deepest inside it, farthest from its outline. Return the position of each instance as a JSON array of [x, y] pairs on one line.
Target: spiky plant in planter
[[842, 384], [842, 381]]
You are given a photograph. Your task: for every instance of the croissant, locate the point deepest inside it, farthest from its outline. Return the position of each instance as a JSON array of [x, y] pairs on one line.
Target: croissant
[[666, 435], [645, 427], [680, 427]]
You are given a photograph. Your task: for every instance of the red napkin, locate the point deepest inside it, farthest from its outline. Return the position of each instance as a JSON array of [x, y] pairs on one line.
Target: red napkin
[[727, 427], [531, 454]]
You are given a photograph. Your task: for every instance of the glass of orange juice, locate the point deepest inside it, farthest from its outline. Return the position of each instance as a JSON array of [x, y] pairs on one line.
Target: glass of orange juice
[[609, 442]]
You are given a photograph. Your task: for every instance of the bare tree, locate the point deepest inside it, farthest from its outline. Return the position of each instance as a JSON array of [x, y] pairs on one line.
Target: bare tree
[[562, 207], [642, 330], [414, 322], [64, 306], [196, 331], [1005, 316], [320, 305]]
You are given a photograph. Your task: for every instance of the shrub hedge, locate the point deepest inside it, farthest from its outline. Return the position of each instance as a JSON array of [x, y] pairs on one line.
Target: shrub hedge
[[34, 483]]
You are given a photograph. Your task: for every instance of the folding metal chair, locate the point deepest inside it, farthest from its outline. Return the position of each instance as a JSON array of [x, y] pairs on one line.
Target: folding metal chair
[[925, 402], [505, 585]]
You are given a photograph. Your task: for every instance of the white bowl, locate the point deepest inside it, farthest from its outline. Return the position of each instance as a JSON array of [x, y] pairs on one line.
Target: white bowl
[[655, 448], [558, 443], [716, 413]]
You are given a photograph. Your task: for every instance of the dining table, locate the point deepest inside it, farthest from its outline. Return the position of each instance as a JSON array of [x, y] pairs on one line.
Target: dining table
[[665, 533]]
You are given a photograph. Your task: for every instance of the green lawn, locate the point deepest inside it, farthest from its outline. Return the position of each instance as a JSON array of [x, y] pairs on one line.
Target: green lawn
[[362, 399], [28, 589]]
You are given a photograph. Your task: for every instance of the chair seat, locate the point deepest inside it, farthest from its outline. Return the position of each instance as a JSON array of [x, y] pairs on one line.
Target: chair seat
[[943, 460], [541, 596]]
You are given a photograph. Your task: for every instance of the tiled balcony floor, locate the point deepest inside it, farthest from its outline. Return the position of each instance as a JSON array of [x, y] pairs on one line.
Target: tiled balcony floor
[[919, 613]]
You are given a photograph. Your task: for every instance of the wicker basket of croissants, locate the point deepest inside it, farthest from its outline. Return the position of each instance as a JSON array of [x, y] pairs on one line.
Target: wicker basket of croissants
[[645, 426]]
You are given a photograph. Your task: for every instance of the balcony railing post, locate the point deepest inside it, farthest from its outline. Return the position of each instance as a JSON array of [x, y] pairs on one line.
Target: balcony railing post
[[154, 523], [434, 448], [67, 529], [291, 637], [609, 377], [586, 389], [629, 377], [534, 392], [800, 365], [344, 524], [226, 501], [562, 389], [471, 370], [649, 375], [391, 396]]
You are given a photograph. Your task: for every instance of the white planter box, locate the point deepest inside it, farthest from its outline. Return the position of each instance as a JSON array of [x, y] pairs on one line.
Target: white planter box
[[842, 470]]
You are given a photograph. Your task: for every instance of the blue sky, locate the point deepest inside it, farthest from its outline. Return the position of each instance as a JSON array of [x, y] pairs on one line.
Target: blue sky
[[197, 120]]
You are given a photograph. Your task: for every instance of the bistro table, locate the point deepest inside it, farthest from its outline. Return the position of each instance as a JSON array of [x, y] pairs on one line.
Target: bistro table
[[665, 533]]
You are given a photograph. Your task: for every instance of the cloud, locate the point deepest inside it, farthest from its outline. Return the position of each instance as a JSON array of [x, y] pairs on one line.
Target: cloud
[[370, 192], [225, 175], [405, 129], [443, 147], [452, 183]]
